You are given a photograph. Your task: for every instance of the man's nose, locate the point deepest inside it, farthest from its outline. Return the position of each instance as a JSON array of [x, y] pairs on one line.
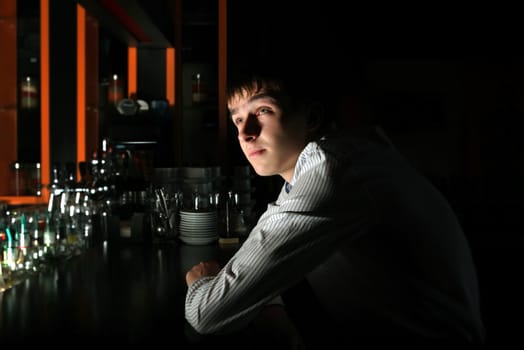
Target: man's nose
[[249, 130]]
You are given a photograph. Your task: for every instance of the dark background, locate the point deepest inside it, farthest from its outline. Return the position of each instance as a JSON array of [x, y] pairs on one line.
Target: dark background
[[446, 83]]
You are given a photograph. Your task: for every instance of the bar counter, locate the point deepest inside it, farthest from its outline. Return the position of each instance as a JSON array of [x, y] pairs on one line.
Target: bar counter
[[132, 293]]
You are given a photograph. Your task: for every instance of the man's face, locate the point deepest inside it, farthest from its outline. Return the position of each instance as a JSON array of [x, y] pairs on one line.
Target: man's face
[[270, 136]]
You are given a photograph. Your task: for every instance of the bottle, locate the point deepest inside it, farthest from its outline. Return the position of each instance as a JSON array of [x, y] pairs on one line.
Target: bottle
[[28, 93], [198, 89], [235, 223], [115, 90]]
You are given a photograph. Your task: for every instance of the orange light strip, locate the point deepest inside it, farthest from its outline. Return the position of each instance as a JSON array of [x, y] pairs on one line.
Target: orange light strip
[[45, 158], [131, 71], [170, 76], [80, 86]]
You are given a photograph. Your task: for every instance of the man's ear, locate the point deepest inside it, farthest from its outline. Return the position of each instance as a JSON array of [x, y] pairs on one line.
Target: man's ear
[[315, 116]]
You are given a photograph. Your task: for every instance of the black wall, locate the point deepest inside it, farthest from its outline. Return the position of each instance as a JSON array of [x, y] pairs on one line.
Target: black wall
[[62, 89]]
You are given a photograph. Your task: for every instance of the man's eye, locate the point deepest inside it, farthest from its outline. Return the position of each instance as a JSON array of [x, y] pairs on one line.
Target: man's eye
[[263, 111], [238, 121]]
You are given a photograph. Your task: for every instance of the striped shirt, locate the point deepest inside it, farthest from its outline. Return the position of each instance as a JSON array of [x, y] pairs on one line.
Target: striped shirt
[[374, 239]]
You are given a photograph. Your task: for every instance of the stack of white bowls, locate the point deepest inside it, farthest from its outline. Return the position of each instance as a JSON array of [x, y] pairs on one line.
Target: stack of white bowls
[[197, 227]]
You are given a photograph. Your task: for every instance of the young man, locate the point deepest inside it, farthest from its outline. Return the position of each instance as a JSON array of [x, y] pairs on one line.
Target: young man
[[358, 248]]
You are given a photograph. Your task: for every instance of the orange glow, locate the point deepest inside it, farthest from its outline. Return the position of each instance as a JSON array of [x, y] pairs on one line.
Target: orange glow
[[131, 71], [24, 200], [8, 93], [170, 76], [45, 158], [80, 86]]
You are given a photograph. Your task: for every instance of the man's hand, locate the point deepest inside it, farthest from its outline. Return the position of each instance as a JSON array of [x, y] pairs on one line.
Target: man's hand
[[202, 269]]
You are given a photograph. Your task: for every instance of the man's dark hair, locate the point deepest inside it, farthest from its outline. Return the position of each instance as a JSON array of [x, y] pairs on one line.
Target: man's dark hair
[[297, 83]]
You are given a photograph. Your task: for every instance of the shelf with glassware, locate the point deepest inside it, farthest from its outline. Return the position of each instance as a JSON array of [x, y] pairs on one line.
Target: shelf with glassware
[[21, 167], [19, 104]]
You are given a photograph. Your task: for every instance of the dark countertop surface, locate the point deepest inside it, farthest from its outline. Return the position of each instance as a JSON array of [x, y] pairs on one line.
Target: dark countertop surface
[[133, 293]]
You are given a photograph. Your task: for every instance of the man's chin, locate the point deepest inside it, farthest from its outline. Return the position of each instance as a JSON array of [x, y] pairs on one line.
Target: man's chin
[[260, 171]]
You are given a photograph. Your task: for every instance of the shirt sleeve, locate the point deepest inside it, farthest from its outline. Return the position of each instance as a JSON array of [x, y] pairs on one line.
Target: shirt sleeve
[[295, 234]]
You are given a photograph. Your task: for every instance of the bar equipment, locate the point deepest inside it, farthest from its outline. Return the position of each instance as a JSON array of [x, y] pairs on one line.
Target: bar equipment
[[120, 177]]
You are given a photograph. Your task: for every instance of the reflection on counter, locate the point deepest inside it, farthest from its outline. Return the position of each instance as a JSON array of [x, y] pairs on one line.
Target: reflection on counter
[[130, 293]]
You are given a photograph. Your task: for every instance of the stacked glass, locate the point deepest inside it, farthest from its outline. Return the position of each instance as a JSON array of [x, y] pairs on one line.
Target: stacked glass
[[34, 238]]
